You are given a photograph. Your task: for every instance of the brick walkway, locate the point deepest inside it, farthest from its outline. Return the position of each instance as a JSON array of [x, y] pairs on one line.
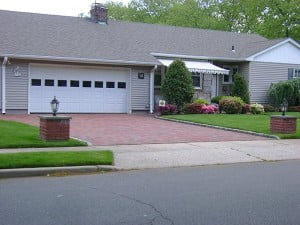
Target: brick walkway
[[113, 129]]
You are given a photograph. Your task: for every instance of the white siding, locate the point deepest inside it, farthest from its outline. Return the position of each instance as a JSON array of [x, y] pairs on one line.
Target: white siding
[[17, 86], [140, 90], [262, 75], [244, 70]]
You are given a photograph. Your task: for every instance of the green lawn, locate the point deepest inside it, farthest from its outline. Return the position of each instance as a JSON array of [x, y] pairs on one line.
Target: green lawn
[[54, 159], [256, 123], [19, 135]]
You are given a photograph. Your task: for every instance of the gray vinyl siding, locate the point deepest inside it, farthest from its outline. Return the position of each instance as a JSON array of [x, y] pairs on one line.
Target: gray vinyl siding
[[243, 69], [140, 90], [17, 87], [262, 75], [0, 84]]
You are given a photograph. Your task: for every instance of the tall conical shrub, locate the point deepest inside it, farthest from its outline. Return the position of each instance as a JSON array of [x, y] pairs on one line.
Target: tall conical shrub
[[177, 86], [240, 88]]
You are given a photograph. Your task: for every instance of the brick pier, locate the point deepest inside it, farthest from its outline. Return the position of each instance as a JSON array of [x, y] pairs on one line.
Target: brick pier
[[55, 128], [283, 124]]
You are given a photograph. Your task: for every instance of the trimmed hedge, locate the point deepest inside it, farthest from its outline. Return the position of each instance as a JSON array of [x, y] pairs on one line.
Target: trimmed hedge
[[231, 105]]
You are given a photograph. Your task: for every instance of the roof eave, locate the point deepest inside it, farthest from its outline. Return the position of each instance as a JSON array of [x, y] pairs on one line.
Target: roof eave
[[198, 57], [78, 60]]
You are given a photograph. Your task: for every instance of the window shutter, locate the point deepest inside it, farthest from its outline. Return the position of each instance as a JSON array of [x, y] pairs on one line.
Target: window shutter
[[290, 73]]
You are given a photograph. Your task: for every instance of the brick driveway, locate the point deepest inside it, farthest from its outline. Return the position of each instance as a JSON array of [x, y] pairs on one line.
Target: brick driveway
[[112, 129]]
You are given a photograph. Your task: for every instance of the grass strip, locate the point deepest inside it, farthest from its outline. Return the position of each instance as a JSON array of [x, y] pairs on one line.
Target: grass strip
[[249, 122], [55, 159], [19, 135]]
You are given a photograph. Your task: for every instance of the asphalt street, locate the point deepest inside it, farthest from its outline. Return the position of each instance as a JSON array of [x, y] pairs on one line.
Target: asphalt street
[[250, 193]]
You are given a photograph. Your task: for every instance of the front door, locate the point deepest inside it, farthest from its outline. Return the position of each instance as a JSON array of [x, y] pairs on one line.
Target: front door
[[214, 85]]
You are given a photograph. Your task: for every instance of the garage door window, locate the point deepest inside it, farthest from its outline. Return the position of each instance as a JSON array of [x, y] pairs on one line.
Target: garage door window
[[98, 84], [86, 83], [122, 85], [110, 84], [74, 83], [36, 82], [62, 83], [49, 83]]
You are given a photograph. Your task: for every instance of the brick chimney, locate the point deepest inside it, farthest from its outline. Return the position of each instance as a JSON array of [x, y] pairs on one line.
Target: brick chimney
[[99, 13]]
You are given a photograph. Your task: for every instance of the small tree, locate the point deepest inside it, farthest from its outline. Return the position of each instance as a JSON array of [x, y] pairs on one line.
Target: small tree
[[177, 87], [240, 88]]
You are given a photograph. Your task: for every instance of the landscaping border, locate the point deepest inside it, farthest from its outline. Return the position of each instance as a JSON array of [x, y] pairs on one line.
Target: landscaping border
[[218, 127]]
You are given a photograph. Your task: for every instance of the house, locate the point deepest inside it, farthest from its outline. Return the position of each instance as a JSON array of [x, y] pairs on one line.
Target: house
[[94, 65]]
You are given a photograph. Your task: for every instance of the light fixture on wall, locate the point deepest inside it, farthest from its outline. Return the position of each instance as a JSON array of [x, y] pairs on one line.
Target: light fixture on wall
[[16, 71]]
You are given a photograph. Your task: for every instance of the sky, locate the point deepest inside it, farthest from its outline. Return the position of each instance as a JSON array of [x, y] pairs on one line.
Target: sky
[[54, 7]]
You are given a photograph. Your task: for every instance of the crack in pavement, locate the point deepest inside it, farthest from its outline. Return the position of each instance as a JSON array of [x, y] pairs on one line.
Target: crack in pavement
[[151, 206], [248, 154]]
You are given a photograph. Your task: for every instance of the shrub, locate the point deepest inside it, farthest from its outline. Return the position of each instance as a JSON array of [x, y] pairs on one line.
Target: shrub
[[231, 105], [192, 108], [201, 101], [216, 99], [240, 88], [289, 90], [177, 86], [209, 109], [269, 108], [256, 108], [294, 108], [246, 108], [167, 109]]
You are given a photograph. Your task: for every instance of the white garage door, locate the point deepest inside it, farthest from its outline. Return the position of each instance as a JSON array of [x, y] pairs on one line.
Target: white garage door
[[79, 90]]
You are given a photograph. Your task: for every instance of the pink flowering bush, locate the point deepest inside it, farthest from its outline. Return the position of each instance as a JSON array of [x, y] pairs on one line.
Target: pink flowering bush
[[195, 108], [209, 109], [168, 109]]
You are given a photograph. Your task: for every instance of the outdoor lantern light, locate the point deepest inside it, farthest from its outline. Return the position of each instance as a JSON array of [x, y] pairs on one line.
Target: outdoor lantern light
[[284, 106], [54, 106]]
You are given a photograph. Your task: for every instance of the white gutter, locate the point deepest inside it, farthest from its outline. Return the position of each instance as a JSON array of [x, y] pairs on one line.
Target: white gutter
[[152, 89], [79, 60], [3, 96], [195, 57]]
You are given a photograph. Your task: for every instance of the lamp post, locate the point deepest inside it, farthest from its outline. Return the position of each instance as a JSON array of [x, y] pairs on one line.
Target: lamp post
[[284, 106], [54, 106]]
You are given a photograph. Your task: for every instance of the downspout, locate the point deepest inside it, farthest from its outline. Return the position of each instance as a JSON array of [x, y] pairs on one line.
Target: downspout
[[3, 81], [152, 88]]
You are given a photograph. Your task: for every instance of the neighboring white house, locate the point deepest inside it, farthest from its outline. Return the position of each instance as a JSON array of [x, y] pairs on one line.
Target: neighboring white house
[[100, 66]]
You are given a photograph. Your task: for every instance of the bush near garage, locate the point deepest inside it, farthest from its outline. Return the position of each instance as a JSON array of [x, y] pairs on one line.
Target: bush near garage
[[246, 108], [269, 108], [168, 109], [196, 108], [289, 90], [217, 99], [201, 101], [294, 108], [240, 88], [231, 105], [256, 108]]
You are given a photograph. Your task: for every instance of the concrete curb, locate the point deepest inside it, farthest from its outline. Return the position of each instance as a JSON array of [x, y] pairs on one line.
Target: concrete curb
[[43, 171], [218, 127]]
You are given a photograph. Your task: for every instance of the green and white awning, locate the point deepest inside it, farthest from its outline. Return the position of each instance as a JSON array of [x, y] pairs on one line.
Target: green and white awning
[[201, 67]]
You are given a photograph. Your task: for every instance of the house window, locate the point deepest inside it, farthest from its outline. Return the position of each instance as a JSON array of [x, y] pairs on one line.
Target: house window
[[62, 83], [296, 73], [196, 76], [229, 78]]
